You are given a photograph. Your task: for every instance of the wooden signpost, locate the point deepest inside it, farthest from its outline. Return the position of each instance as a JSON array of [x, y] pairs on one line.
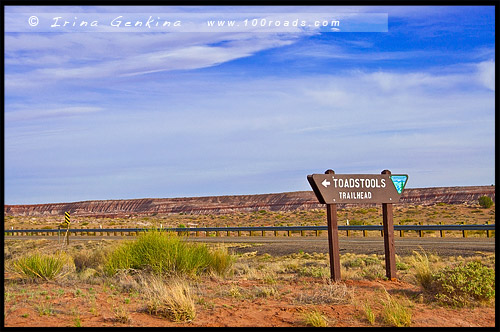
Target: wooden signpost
[[385, 188]]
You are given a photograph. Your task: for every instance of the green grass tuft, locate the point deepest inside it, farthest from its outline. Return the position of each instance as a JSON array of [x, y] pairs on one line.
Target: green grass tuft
[[39, 266], [165, 252]]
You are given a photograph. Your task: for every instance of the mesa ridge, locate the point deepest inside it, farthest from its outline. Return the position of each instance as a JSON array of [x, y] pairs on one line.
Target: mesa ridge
[[287, 201]]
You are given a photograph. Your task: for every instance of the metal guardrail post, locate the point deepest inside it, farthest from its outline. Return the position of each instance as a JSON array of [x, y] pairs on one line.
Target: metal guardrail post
[[289, 230]]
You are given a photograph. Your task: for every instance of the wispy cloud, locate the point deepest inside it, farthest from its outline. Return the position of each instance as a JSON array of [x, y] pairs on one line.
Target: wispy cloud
[[41, 113]]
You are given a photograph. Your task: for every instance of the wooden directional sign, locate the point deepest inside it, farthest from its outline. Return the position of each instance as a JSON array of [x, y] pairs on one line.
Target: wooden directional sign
[[385, 188], [358, 188]]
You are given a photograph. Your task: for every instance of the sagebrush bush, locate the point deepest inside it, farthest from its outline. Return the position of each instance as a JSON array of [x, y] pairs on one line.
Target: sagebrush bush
[[165, 252], [485, 202], [464, 285]]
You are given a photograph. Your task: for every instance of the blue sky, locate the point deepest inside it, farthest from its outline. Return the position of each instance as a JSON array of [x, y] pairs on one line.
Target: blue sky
[[94, 114]]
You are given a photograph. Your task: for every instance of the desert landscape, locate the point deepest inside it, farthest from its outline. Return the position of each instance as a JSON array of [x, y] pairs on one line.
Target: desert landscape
[[250, 289]]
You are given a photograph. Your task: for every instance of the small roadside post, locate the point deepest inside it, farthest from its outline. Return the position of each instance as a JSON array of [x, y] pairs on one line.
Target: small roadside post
[[66, 224], [332, 189]]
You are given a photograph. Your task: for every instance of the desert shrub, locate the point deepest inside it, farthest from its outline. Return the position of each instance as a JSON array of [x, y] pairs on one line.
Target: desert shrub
[[370, 260], [464, 285], [170, 299], [373, 272], [40, 266], [355, 222], [88, 259], [164, 252], [485, 202], [314, 271], [353, 262]]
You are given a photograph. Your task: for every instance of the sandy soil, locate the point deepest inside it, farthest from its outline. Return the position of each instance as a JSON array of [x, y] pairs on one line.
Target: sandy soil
[[72, 308], [255, 295]]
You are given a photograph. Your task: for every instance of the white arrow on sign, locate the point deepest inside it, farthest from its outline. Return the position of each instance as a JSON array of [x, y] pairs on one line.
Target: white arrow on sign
[[325, 183]]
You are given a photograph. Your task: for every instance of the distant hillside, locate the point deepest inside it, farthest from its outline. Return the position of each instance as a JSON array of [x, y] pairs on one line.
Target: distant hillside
[[303, 200]]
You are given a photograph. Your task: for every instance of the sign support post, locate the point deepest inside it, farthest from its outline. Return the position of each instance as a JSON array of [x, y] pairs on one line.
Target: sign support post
[[333, 239], [388, 226]]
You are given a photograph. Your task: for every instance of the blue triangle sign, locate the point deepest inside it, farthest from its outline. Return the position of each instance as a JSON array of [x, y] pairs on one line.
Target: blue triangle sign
[[399, 182]]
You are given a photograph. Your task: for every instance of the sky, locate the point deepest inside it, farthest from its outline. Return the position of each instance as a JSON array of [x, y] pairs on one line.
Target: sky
[[110, 111]]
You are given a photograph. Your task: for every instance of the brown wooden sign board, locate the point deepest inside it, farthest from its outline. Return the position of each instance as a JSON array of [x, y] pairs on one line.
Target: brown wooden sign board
[[357, 188], [385, 188]]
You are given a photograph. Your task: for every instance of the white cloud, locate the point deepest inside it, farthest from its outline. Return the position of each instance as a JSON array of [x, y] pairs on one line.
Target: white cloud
[[486, 74], [89, 57]]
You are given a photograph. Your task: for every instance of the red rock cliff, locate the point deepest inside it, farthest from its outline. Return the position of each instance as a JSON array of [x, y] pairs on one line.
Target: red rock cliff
[[240, 203]]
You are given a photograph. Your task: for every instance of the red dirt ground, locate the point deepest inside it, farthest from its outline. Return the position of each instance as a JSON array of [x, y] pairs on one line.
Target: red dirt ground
[[97, 306]]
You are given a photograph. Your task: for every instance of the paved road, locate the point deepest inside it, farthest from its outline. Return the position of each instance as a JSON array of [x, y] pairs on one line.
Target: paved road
[[403, 246], [359, 245]]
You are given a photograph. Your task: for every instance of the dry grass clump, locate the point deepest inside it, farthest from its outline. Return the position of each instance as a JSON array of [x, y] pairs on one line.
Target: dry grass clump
[[314, 318], [329, 293], [169, 298], [396, 312], [89, 259], [423, 267]]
